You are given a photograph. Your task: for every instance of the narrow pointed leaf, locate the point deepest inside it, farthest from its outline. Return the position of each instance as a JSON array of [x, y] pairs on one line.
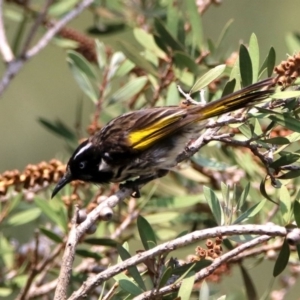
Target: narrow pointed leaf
[[282, 259], [167, 37], [207, 78], [286, 121], [166, 276], [51, 235], [130, 287], [254, 55], [248, 284], [83, 81], [132, 54], [229, 87], [285, 204], [186, 287], [81, 63], [146, 233], [24, 217], [214, 205], [251, 212], [297, 213], [245, 66], [129, 90], [101, 242], [133, 271], [196, 24]]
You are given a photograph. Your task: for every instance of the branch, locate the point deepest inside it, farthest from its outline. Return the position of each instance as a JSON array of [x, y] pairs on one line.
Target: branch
[[206, 271], [15, 65], [77, 232], [5, 49], [270, 230]]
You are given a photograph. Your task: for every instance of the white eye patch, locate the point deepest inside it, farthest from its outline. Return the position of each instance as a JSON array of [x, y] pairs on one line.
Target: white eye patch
[[83, 149], [104, 166]]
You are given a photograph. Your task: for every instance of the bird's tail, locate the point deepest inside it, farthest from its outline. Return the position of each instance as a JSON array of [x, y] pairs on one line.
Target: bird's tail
[[243, 98]]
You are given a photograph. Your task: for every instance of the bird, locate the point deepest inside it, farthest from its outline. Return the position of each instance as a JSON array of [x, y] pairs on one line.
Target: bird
[[144, 144]]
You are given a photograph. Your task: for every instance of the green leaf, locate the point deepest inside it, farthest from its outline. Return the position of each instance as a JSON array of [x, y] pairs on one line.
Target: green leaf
[[124, 68], [87, 253], [268, 63], [166, 36], [285, 204], [101, 242], [24, 217], [235, 74], [290, 175], [146, 233], [262, 189], [298, 250], [147, 41], [229, 87], [81, 63], [183, 270], [101, 54], [186, 287], [60, 8], [286, 159], [133, 271], [271, 61], [59, 128], [129, 90], [292, 42], [173, 97], [196, 24], [277, 141], [132, 54], [173, 17], [51, 213], [5, 292], [297, 212], [165, 276], [243, 197], [245, 66], [211, 163], [248, 284], [254, 55], [83, 81], [223, 34], [287, 121], [204, 291], [158, 218], [207, 78], [282, 259], [51, 235], [251, 212], [6, 252], [183, 61], [13, 203], [130, 287], [286, 94], [214, 205]]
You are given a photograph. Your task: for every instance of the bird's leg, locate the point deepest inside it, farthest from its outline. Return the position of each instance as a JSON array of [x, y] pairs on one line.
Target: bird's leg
[[142, 180]]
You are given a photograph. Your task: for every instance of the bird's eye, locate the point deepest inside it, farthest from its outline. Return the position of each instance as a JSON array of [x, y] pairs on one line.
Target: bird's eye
[[82, 165]]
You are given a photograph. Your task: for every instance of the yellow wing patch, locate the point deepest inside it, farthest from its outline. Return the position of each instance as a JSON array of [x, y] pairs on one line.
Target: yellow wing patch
[[146, 137]]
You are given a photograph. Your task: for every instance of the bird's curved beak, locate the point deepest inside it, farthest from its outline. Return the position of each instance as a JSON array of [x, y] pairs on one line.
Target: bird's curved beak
[[62, 182]]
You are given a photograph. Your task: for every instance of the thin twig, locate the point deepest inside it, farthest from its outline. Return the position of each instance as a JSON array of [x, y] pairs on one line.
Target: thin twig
[[15, 65], [93, 281], [206, 271], [35, 26], [5, 49]]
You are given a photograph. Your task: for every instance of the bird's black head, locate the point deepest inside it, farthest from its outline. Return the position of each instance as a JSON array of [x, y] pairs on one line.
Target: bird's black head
[[86, 164]]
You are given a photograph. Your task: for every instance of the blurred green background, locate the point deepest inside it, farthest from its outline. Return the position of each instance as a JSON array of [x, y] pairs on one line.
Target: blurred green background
[[46, 88]]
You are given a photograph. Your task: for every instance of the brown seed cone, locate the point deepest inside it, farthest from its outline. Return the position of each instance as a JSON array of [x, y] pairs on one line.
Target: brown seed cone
[[86, 44]]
